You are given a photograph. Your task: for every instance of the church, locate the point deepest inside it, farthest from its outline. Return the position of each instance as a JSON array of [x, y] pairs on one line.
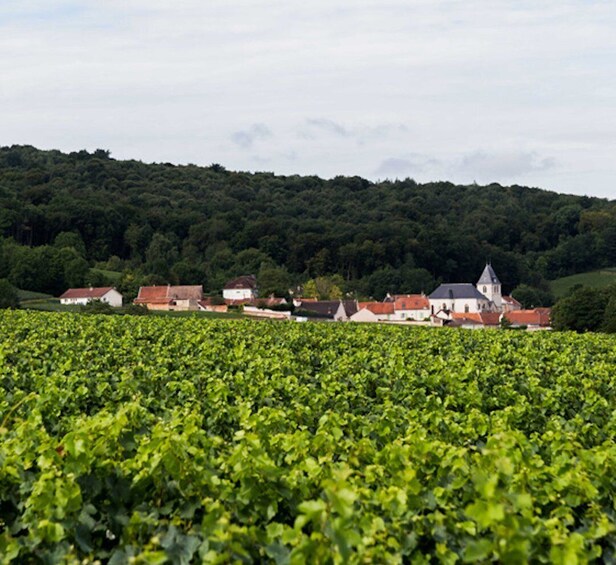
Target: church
[[485, 296]]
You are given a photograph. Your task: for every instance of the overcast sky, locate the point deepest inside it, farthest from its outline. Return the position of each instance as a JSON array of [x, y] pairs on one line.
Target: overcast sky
[[471, 90]]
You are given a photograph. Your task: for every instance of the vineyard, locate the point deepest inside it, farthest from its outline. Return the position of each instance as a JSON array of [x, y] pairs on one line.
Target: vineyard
[[156, 440]]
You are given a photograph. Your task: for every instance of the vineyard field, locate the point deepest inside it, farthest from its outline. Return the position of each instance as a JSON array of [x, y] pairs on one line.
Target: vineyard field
[[180, 440]]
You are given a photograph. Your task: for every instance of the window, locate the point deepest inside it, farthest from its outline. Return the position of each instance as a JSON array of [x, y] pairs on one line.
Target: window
[[466, 309], [485, 289]]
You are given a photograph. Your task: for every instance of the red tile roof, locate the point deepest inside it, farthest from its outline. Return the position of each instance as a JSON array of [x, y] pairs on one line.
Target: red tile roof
[[87, 292], [480, 318], [378, 308], [411, 302], [537, 317], [166, 293]]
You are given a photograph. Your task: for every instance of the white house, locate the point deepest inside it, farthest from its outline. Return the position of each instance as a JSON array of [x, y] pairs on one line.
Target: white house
[[411, 307], [373, 312], [241, 288], [82, 296]]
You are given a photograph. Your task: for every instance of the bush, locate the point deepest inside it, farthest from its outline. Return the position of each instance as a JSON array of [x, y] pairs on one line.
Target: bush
[[8, 295]]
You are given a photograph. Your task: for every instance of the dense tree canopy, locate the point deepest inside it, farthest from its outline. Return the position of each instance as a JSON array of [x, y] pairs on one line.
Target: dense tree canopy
[[201, 225]]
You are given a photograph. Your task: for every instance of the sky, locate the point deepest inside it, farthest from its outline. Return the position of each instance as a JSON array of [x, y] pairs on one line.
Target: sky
[[515, 92]]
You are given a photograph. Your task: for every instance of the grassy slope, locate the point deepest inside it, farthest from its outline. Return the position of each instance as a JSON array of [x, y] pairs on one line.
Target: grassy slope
[[594, 279]]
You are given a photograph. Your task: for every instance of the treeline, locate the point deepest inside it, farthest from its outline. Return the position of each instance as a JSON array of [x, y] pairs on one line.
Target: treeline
[[203, 225]]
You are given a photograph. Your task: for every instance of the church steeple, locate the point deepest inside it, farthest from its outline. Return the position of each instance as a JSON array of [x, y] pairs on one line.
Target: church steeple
[[489, 285]]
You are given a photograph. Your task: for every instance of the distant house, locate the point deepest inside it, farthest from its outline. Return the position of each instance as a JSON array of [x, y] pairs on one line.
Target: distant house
[[476, 320], [83, 296], [241, 288], [337, 310], [510, 304], [411, 307], [168, 297], [374, 312], [536, 319]]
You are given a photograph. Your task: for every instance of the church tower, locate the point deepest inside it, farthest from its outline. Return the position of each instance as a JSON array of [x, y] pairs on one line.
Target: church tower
[[489, 285]]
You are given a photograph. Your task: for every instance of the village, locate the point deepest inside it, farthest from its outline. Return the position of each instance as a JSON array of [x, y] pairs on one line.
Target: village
[[464, 305]]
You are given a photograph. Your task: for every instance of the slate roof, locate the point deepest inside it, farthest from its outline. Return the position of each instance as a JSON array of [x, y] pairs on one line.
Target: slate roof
[[328, 308], [245, 281], [456, 291], [488, 276], [91, 292]]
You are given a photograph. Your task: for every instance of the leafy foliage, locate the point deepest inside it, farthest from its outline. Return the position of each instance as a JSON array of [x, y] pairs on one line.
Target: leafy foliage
[[178, 440]]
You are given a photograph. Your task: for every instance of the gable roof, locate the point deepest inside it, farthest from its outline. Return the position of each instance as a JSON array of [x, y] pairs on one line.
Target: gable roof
[[477, 318], [488, 276], [378, 308], [537, 317], [164, 294], [92, 292], [511, 300], [456, 291], [243, 282], [328, 308], [411, 302]]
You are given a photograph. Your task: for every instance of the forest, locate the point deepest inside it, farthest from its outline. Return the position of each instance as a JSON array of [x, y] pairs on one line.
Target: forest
[[61, 214]]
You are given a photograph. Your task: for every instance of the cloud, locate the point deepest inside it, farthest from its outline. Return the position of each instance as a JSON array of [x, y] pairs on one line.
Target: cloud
[[398, 167], [314, 127], [246, 138], [504, 164]]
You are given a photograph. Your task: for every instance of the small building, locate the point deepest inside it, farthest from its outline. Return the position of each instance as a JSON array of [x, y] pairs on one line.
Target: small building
[[475, 321], [510, 304], [411, 307], [374, 312], [536, 319], [168, 297], [83, 296], [241, 288]]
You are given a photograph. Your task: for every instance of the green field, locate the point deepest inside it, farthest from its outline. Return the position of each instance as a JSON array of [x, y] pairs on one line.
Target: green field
[[170, 440], [594, 279]]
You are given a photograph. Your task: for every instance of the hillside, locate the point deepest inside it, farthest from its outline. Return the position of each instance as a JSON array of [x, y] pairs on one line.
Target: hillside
[[191, 224], [594, 279]]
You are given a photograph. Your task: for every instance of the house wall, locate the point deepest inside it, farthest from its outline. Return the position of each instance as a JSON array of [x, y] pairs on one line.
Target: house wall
[[184, 305], [459, 304], [113, 298], [238, 294], [364, 315], [412, 314]]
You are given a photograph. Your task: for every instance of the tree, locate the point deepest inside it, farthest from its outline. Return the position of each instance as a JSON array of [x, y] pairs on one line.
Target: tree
[[532, 297], [8, 295], [69, 239], [581, 311]]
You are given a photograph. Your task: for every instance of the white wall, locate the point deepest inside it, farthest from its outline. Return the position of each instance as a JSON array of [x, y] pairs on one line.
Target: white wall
[[364, 315], [113, 298], [238, 293], [412, 314], [459, 304]]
